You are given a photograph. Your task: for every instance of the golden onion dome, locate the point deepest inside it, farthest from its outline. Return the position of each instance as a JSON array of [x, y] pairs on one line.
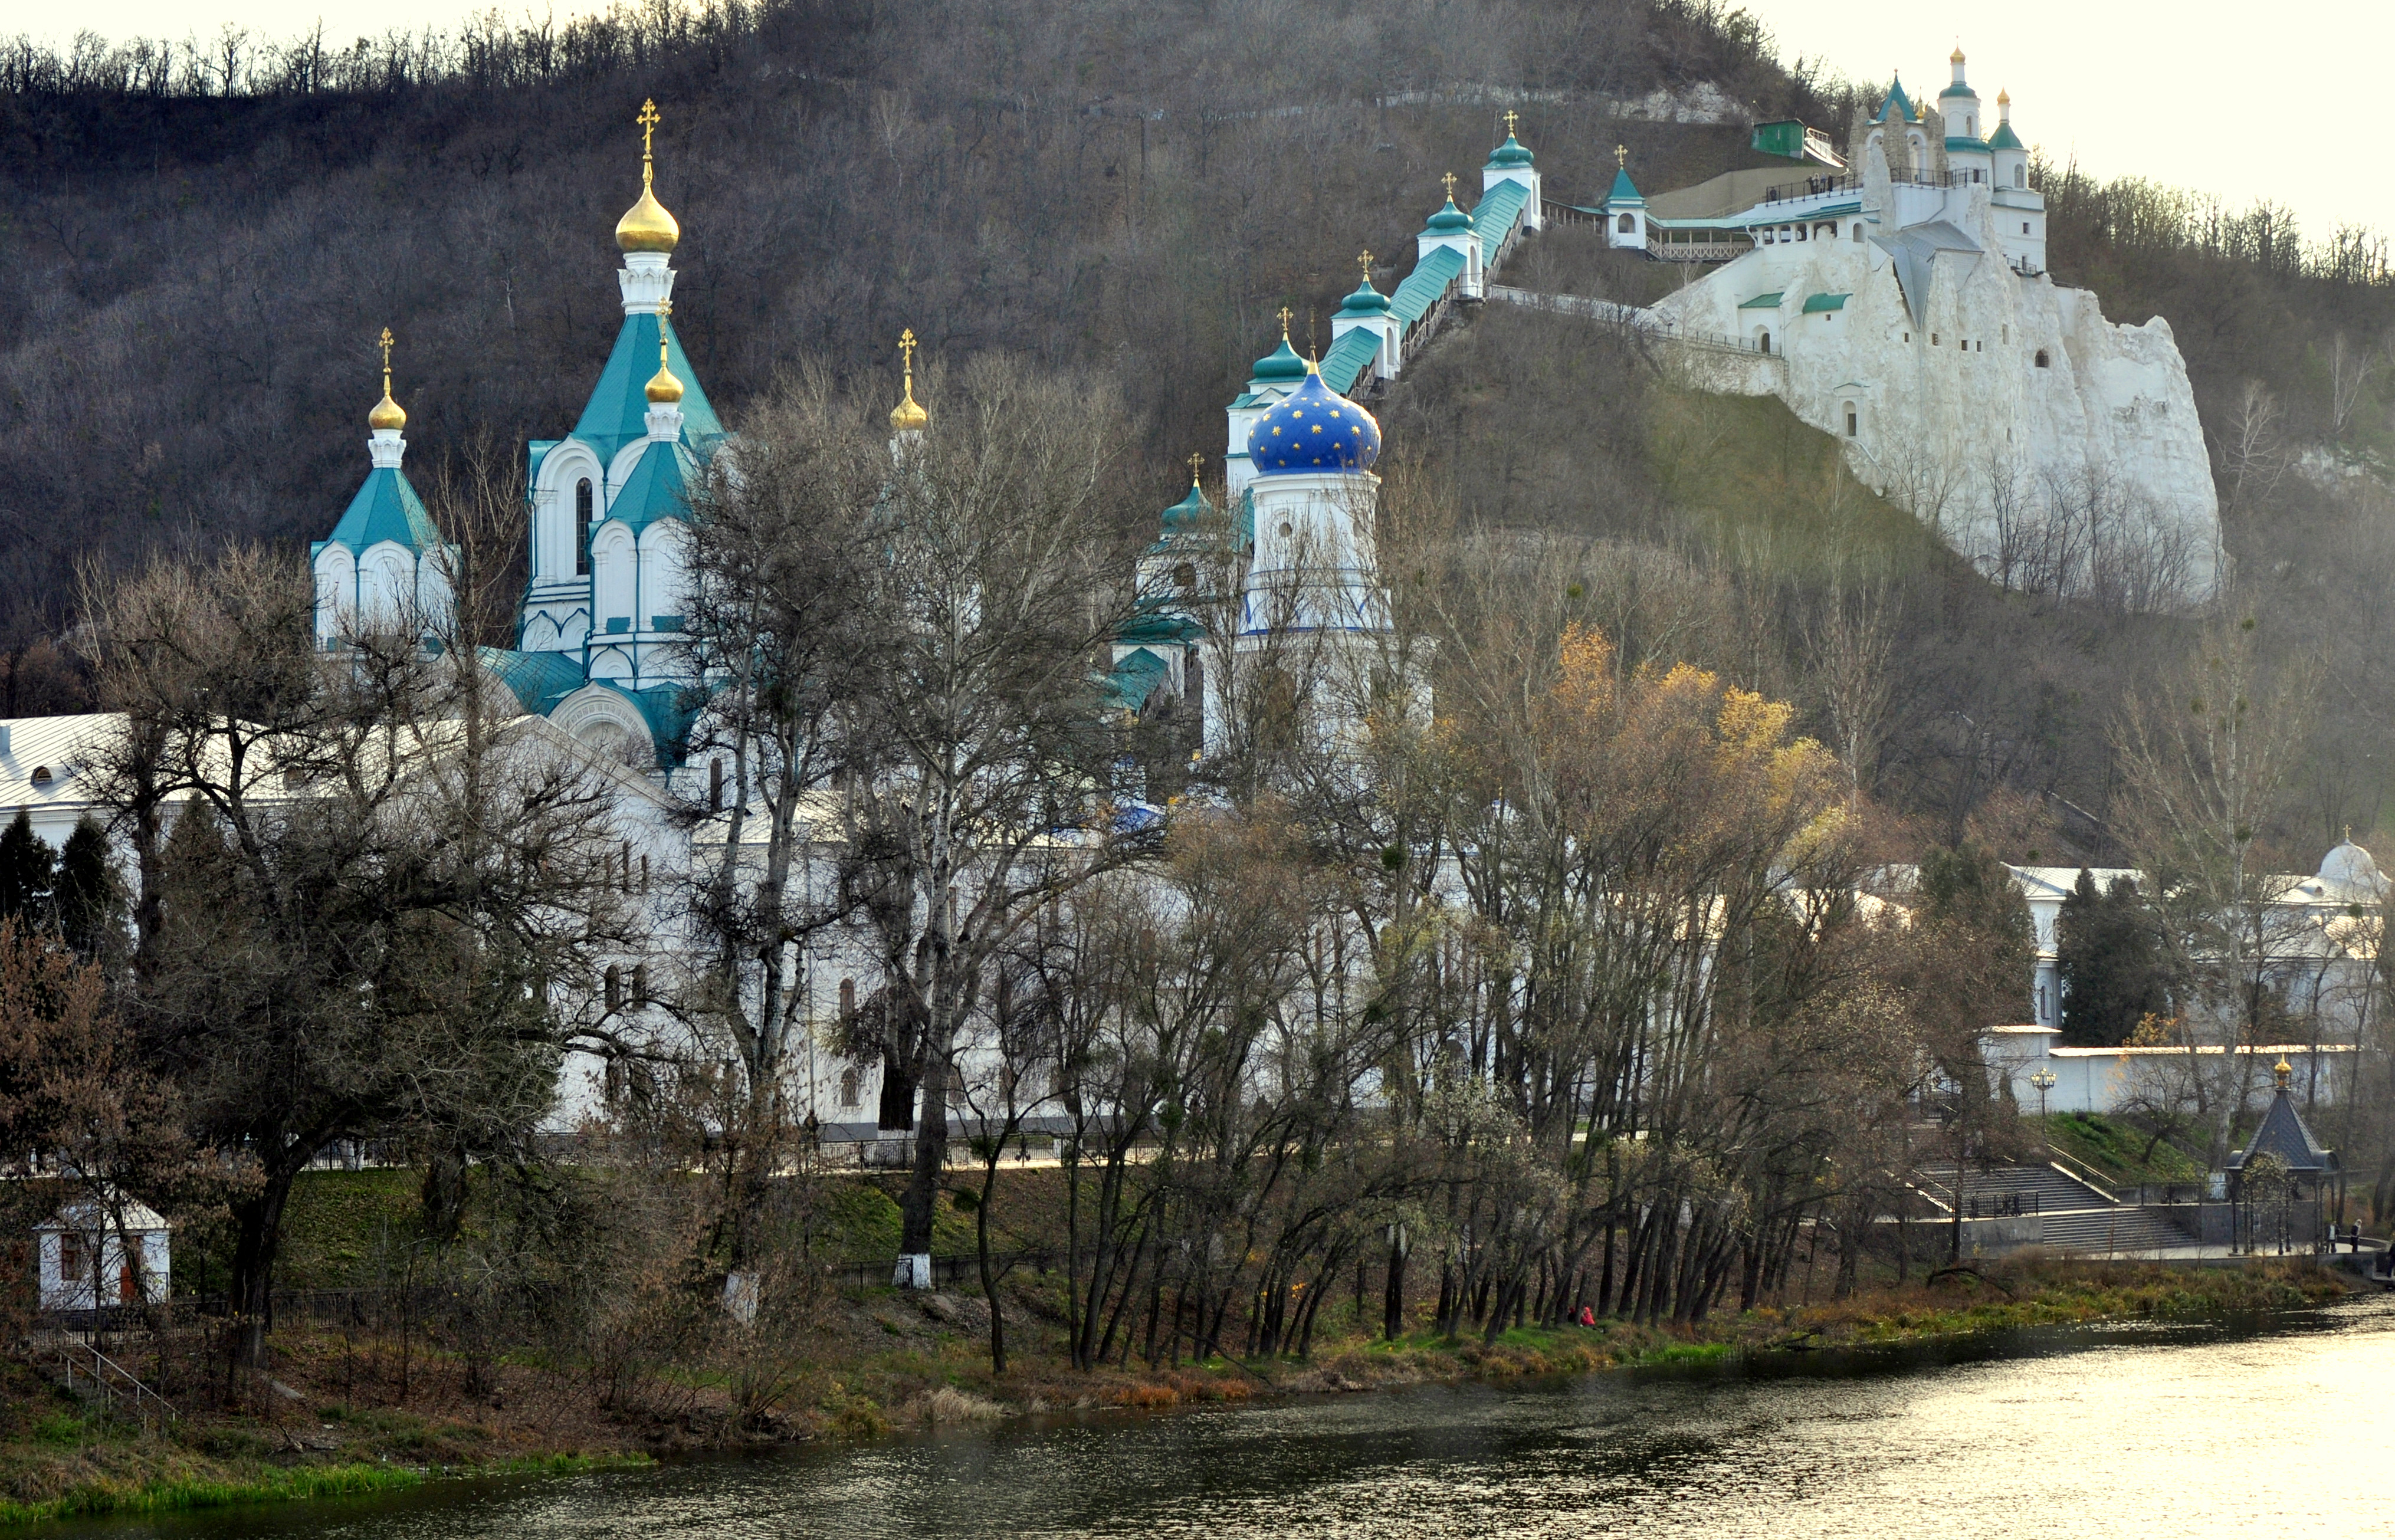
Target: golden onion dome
[[909, 415], [663, 389], [647, 226], [1956, 56], [387, 414]]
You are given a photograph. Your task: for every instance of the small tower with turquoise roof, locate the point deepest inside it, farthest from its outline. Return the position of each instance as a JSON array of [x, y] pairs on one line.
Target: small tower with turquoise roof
[[384, 568]]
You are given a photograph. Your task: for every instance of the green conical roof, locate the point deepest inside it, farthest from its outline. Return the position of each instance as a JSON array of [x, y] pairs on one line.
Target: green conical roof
[[386, 508], [619, 405], [1624, 189]]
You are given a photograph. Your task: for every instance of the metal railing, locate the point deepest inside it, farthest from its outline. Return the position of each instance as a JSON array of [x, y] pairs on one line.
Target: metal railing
[[2080, 1171], [105, 1376], [1815, 186]]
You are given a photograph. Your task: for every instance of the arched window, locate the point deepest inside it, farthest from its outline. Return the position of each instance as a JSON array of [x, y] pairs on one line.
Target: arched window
[[715, 785], [582, 528], [848, 1087], [2020, 175], [1859, 232], [848, 999], [614, 982], [639, 983], [1629, 224], [1853, 420], [2041, 358], [1762, 341]]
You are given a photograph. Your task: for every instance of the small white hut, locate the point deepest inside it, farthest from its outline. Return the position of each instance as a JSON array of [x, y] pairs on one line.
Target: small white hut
[[87, 1260]]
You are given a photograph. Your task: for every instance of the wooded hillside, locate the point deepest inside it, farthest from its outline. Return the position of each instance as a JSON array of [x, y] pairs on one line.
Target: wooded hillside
[[207, 239]]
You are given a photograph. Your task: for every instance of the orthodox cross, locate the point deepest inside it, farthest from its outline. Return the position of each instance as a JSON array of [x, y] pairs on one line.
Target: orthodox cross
[[386, 361], [1450, 180], [1621, 156], [1512, 117], [1285, 314], [906, 347], [1364, 260], [648, 121], [1196, 469], [665, 311]]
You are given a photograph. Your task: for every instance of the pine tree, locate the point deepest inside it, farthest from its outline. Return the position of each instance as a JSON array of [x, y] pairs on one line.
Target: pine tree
[[2110, 961], [26, 865], [87, 896]]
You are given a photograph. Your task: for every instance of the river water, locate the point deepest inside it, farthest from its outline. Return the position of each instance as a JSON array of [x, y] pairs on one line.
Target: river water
[[2284, 1425]]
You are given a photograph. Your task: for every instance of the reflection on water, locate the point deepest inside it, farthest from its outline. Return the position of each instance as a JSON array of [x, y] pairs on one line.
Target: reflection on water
[[2193, 1432]]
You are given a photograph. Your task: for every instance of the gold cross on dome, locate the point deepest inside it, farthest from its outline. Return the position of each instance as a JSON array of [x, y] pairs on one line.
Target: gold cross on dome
[[1364, 260], [906, 346], [1450, 180], [1197, 468], [1285, 313], [648, 120], [386, 361], [1512, 118], [1621, 155]]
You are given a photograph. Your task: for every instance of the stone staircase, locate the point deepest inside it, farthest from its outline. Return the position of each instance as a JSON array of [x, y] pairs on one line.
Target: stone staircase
[[2074, 1215]]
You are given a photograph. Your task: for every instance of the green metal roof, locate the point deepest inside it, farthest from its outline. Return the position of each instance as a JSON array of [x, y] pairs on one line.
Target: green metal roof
[[669, 710], [1447, 220], [1130, 683], [1414, 297], [1961, 143], [1282, 364], [1816, 304], [1366, 301], [1897, 100], [619, 405], [1957, 89], [1350, 359], [1764, 301], [386, 508], [1156, 623], [2005, 139], [1510, 154], [539, 679], [658, 487], [1493, 217], [1625, 191]]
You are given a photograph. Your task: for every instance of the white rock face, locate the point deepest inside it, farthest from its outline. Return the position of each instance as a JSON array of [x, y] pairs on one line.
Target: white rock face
[[2055, 449]]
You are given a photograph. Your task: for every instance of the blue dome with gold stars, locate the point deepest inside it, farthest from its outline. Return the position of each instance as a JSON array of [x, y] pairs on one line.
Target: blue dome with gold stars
[[1314, 429]]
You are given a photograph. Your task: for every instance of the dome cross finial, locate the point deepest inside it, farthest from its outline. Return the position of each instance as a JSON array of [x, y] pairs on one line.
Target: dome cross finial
[[1286, 313], [1196, 469], [1512, 117], [663, 390], [1364, 260], [1450, 180], [1622, 157], [648, 120]]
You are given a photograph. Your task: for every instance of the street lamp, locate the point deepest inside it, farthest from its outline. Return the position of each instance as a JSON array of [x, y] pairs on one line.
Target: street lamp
[[2043, 1081]]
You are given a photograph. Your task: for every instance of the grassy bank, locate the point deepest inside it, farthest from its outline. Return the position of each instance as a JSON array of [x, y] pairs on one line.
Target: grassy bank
[[362, 1408]]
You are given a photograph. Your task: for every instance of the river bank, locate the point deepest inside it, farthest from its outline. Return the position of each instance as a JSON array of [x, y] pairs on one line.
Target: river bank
[[333, 1421]]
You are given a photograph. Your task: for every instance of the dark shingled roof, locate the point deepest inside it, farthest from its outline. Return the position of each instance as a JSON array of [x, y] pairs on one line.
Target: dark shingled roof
[[2283, 1134]]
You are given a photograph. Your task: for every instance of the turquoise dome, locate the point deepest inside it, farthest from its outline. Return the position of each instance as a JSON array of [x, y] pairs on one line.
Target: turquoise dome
[[1314, 429], [1510, 154], [1185, 517], [1450, 218], [1366, 301], [1282, 364]]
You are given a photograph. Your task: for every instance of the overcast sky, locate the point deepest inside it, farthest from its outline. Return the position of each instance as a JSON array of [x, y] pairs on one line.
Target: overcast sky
[[2244, 101]]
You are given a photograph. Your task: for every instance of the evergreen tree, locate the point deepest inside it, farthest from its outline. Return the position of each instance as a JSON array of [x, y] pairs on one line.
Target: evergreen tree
[[2109, 960], [86, 897], [26, 865]]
